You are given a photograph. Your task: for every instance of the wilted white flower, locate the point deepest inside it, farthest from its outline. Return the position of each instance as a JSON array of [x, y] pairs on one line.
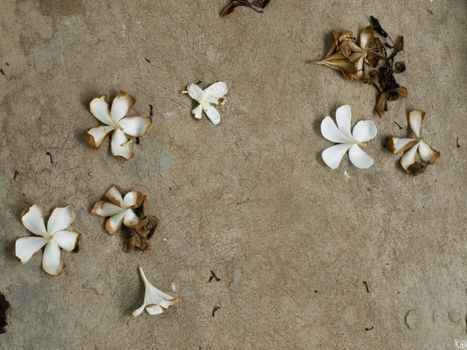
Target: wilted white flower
[[115, 120], [213, 94], [57, 235], [119, 210], [155, 301], [363, 131], [414, 145]]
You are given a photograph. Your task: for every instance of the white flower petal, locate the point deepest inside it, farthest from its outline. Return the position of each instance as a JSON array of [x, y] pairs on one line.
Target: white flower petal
[[114, 223], [428, 154], [33, 220], [121, 104], [96, 136], [51, 260], [218, 89], [409, 157], [100, 109], [330, 131], [415, 121], [333, 155], [133, 199], [113, 194], [130, 219], [359, 158], [197, 111], [195, 92], [135, 126], [66, 240], [26, 247], [344, 118], [120, 146], [397, 145], [138, 311], [106, 209], [364, 130], [212, 114], [60, 219], [154, 310]]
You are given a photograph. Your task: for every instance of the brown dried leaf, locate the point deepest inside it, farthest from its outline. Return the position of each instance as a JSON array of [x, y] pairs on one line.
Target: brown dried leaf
[[381, 104], [135, 241], [4, 306], [229, 8], [377, 27], [147, 226], [417, 168], [399, 67], [256, 5]]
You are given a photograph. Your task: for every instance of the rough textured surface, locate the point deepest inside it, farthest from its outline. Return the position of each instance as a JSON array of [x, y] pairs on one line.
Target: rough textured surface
[[291, 240]]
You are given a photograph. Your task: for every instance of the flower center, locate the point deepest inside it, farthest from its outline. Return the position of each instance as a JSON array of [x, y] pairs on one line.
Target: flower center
[[204, 101], [126, 143]]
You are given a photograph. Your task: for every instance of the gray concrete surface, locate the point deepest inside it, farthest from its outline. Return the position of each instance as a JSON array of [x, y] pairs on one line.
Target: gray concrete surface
[[291, 240]]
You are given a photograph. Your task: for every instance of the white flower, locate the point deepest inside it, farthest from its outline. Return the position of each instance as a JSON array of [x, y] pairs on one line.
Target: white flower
[[413, 145], [54, 237], [213, 94], [363, 131], [119, 210], [155, 301], [114, 120]]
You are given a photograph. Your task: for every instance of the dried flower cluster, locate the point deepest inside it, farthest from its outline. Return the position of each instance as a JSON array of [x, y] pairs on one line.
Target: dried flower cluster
[[411, 146], [255, 5], [371, 60], [131, 211]]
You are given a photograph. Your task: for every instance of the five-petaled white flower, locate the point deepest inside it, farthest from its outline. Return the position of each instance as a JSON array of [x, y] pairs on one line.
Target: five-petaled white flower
[[120, 210], [54, 237], [363, 131], [155, 301], [213, 94], [413, 145], [115, 121]]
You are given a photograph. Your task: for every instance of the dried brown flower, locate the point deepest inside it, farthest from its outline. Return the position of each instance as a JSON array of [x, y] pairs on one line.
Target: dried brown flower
[[367, 60], [413, 146]]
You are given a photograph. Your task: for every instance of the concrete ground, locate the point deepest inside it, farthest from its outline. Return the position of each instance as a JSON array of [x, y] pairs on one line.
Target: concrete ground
[[295, 244]]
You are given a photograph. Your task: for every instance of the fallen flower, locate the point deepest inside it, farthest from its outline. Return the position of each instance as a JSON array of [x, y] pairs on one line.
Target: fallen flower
[[115, 121], [255, 5], [363, 131], [213, 94], [57, 235], [410, 147], [155, 301], [119, 210]]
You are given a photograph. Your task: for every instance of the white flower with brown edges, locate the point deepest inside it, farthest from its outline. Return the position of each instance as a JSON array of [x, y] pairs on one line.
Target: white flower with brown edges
[[119, 210], [363, 131], [115, 121], [411, 146], [56, 235], [213, 94], [155, 301]]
